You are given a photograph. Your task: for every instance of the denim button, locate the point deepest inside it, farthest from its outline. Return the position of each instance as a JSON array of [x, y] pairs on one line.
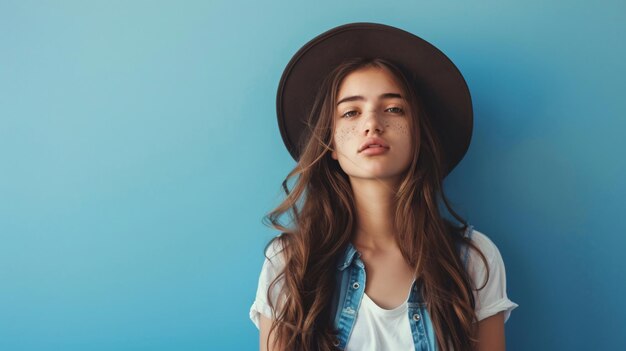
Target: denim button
[[355, 285], [416, 317], [336, 342]]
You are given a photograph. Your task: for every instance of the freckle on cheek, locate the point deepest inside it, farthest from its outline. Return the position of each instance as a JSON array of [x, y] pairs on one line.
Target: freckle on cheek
[[402, 128], [342, 134]]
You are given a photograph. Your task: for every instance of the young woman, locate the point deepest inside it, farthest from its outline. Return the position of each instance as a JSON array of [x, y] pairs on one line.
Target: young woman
[[370, 262]]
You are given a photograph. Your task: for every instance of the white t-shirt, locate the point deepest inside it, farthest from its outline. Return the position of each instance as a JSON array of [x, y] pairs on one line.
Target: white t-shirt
[[376, 328]]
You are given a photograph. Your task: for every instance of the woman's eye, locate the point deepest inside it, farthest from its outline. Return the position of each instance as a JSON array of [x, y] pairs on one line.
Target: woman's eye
[[347, 114], [396, 109]]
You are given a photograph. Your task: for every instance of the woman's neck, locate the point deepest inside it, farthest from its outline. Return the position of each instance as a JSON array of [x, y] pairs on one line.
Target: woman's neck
[[374, 204]]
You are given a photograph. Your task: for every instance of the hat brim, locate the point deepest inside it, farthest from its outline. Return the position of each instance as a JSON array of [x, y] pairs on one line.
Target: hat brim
[[438, 81]]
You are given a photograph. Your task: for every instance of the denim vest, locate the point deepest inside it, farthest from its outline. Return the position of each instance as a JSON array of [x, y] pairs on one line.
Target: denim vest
[[351, 287]]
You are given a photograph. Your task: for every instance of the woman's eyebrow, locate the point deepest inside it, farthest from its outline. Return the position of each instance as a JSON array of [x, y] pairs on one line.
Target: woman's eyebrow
[[360, 98]]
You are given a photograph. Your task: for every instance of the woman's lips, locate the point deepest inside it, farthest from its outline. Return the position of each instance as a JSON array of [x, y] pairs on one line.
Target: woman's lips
[[378, 150]]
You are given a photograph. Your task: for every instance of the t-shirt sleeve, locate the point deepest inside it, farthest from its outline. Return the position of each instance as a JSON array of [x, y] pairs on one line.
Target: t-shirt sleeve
[[272, 266], [492, 298]]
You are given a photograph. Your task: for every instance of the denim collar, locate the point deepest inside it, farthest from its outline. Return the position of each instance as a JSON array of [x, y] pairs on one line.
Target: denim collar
[[348, 256]]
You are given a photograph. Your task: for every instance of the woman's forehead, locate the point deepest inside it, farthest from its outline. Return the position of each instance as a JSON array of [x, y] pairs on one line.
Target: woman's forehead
[[368, 81]]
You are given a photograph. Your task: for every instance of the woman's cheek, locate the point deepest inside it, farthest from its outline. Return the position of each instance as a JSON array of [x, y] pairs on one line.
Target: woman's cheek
[[401, 127], [345, 134]]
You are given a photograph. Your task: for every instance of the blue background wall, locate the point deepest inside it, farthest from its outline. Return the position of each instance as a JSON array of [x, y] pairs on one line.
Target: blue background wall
[[139, 151]]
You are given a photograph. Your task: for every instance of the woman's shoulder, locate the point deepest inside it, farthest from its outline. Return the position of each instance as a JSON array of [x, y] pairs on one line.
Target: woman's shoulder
[[274, 260], [274, 249], [484, 243]]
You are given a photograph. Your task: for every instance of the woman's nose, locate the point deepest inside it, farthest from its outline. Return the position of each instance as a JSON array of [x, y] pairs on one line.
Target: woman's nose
[[372, 122]]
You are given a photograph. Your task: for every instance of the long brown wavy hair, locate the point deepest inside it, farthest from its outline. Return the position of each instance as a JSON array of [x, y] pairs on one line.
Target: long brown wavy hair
[[321, 209]]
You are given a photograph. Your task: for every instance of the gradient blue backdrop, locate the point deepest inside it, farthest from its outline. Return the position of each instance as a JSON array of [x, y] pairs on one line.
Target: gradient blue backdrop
[[139, 151]]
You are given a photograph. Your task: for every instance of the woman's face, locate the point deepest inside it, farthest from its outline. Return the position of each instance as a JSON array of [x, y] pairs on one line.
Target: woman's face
[[370, 105]]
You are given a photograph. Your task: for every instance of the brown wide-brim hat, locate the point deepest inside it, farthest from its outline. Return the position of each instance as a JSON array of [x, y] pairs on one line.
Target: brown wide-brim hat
[[437, 80]]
